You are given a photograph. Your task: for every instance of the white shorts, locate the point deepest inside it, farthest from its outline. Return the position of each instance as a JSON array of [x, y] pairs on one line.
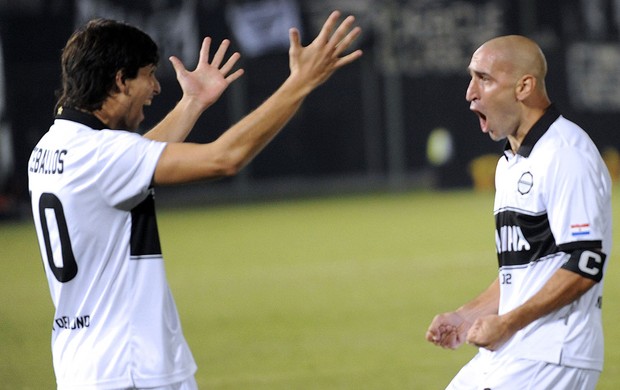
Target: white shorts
[[482, 373]]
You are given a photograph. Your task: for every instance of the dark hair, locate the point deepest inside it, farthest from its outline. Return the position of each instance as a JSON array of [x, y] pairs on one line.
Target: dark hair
[[92, 57]]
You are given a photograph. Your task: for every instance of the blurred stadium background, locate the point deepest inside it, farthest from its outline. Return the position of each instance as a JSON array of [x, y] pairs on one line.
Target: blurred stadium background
[[339, 292], [368, 128]]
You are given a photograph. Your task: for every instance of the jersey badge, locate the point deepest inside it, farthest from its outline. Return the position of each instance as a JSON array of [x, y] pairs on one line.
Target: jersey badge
[[525, 184]]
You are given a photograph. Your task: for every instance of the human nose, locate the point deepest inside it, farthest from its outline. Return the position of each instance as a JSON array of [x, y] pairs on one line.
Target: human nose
[[156, 86], [472, 92]]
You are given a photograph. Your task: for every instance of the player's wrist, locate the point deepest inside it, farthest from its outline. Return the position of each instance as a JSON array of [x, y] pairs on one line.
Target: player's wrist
[[298, 86], [514, 321], [190, 104], [464, 317]]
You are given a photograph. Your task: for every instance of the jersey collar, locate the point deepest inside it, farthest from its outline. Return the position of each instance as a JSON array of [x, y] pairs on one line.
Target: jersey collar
[[537, 131], [84, 118]]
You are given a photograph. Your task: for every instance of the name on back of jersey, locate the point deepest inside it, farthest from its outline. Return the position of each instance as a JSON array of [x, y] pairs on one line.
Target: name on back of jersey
[[47, 161], [71, 323]]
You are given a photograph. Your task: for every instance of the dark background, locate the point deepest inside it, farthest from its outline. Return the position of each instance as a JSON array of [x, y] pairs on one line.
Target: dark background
[[366, 129]]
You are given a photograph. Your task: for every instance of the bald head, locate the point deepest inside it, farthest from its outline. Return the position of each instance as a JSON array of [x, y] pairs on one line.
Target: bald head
[[518, 56], [521, 53]]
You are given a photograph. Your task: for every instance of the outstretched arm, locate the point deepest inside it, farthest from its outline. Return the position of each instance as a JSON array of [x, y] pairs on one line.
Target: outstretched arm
[[310, 66], [450, 330], [201, 88]]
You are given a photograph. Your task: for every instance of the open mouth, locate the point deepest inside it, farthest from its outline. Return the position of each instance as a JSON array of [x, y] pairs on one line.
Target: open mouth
[[480, 114], [483, 120]]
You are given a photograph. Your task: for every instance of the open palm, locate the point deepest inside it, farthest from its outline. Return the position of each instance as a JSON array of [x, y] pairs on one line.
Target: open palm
[[209, 80]]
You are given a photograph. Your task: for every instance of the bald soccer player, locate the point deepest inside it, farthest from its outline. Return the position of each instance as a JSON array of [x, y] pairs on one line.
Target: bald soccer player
[[538, 325]]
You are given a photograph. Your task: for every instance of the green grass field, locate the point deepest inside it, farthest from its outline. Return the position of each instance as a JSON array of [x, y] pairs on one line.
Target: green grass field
[[308, 294]]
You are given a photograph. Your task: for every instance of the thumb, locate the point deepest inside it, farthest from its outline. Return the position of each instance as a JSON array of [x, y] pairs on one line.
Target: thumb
[[293, 34], [178, 66], [431, 335], [473, 334]]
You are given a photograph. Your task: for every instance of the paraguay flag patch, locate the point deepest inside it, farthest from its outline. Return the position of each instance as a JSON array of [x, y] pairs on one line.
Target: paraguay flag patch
[[580, 229]]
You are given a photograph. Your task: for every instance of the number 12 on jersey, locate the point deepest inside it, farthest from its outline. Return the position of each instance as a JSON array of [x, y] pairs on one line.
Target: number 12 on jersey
[[506, 278]]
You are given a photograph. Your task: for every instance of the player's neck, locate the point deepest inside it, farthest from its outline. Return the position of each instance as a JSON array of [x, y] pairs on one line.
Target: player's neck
[[110, 113]]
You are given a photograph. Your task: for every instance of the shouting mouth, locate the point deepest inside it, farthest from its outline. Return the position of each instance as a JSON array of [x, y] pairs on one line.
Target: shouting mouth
[[483, 120]]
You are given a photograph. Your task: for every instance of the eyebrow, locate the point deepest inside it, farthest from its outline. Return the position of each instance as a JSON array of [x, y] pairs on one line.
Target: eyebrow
[[478, 73]]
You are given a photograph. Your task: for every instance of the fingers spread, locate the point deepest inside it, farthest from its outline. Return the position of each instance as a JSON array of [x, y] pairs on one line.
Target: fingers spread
[[342, 30], [204, 51], [328, 27], [345, 42], [348, 58], [220, 53], [230, 63], [341, 39], [238, 73], [178, 66]]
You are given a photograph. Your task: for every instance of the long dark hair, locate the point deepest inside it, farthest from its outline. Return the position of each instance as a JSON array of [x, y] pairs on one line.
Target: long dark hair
[[92, 57]]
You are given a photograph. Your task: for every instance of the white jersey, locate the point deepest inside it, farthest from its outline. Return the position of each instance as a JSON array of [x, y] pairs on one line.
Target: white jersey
[[116, 324], [553, 196]]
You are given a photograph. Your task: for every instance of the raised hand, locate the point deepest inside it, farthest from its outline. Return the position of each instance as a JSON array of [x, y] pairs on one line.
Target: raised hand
[[237, 146], [316, 62], [209, 80]]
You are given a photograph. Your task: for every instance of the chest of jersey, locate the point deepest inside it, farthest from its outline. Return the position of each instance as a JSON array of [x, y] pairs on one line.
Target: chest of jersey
[[523, 233]]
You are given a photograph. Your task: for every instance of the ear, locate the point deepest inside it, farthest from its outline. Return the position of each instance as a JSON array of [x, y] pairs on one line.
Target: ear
[[525, 87], [119, 82]]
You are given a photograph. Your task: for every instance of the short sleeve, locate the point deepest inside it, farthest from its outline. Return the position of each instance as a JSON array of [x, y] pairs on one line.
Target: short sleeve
[[126, 163], [576, 199]]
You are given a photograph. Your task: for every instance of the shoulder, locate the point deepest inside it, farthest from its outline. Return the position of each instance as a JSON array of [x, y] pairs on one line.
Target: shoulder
[[115, 141], [563, 142], [564, 133]]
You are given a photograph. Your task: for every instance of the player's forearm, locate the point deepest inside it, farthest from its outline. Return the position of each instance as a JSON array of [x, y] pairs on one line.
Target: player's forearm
[[484, 304], [563, 288], [244, 140], [184, 162], [176, 126]]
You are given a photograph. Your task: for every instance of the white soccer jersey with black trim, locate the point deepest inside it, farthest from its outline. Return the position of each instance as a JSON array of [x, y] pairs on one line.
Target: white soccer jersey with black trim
[[115, 324], [554, 195]]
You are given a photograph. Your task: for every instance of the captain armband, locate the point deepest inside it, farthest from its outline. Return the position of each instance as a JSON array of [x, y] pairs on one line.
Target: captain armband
[[587, 263]]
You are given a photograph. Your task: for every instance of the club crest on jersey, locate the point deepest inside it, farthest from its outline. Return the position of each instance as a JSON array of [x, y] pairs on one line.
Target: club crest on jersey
[[525, 184]]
